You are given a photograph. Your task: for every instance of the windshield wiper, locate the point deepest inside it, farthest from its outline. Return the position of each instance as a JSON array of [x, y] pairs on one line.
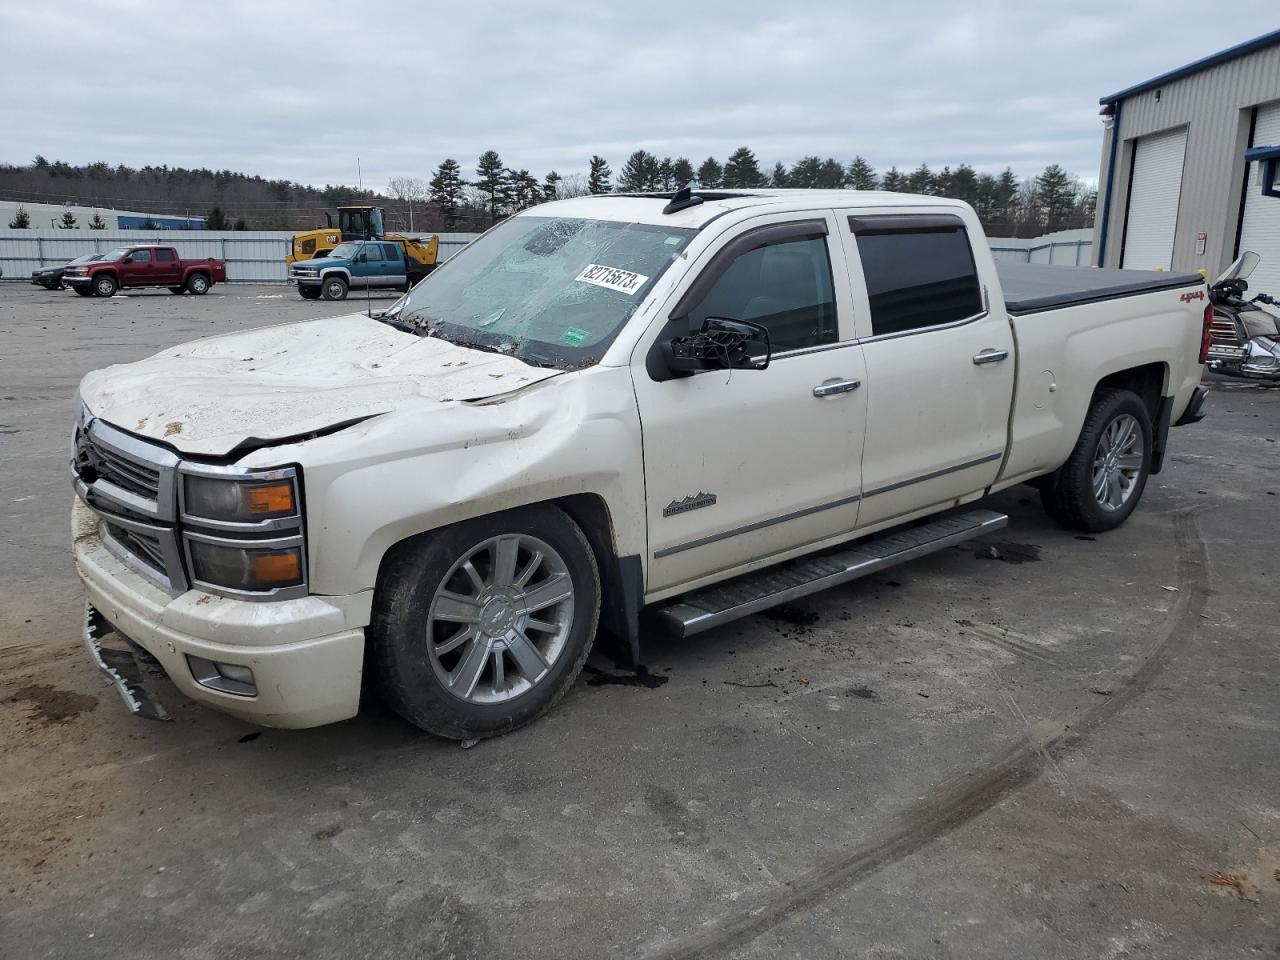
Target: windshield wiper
[[414, 322]]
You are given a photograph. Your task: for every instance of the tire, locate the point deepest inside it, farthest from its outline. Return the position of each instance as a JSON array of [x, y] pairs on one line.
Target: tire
[[424, 601], [104, 285], [308, 293], [83, 289], [334, 288], [178, 290], [198, 284], [1119, 421]]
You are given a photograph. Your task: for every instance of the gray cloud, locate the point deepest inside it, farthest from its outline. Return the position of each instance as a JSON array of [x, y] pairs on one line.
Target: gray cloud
[[299, 91]]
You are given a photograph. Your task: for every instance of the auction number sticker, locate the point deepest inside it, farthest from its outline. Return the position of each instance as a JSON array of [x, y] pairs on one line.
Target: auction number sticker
[[612, 278]]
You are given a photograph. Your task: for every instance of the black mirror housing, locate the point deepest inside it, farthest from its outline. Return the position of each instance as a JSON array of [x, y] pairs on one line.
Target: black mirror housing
[[721, 344]]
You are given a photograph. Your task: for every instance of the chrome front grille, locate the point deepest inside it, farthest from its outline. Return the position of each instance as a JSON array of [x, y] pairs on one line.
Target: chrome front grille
[[142, 546], [131, 485], [126, 472]]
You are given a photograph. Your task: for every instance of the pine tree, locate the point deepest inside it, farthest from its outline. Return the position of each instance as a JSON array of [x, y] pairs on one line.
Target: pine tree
[[491, 180], [894, 181], [779, 176], [598, 178], [240, 224], [742, 171], [640, 173], [862, 176], [216, 220], [1006, 194], [666, 175], [805, 173], [523, 189], [710, 174], [831, 174], [148, 224], [1056, 193], [551, 186], [21, 219], [68, 221], [97, 223], [446, 190], [682, 172], [964, 184], [921, 180]]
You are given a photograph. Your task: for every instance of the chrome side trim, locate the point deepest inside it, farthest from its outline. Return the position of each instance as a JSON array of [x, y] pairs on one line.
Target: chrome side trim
[[751, 527], [918, 330], [934, 475]]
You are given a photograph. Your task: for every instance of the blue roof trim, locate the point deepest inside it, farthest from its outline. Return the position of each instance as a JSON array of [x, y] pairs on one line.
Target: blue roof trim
[[1231, 53], [1262, 153]]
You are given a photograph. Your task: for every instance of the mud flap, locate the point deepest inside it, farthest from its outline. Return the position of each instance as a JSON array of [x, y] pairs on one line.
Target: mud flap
[[125, 664]]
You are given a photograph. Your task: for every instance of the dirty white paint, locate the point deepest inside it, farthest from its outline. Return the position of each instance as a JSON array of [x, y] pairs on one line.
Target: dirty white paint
[[208, 396]]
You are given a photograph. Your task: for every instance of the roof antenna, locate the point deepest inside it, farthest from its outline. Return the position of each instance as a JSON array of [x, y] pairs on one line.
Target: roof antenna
[[683, 199]]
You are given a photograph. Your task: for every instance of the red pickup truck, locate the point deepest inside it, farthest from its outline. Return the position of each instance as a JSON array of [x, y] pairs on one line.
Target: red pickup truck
[[144, 265]]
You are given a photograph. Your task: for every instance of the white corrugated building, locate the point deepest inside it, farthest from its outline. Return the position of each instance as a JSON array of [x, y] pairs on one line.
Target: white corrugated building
[[1184, 163]]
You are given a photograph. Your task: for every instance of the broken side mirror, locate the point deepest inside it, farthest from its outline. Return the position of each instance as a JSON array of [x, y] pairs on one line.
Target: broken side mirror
[[721, 344]]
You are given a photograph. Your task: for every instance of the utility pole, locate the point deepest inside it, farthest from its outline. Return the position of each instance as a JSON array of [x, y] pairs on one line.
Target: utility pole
[[359, 176]]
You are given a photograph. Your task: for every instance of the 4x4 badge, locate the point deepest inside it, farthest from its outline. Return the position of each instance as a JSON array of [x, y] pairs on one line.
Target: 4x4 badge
[[692, 502]]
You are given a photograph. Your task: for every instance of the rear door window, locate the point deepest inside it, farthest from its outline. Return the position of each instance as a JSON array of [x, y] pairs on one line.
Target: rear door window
[[391, 251], [919, 271], [165, 256]]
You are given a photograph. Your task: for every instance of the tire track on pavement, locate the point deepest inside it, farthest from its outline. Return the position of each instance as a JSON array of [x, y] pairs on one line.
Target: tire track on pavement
[[962, 798]]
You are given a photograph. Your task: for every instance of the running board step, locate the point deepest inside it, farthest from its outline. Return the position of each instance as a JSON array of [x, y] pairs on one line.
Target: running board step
[[753, 592]]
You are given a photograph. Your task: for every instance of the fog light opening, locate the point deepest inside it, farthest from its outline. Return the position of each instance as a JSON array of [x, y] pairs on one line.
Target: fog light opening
[[230, 678]]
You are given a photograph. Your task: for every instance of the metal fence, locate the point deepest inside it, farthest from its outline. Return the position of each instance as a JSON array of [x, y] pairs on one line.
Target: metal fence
[[257, 256], [252, 256], [1064, 251]]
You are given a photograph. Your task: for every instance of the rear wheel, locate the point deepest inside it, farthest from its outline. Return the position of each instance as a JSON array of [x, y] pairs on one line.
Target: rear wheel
[[198, 284], [178, 290], [334, 288], [1103, 479], [481, 627], [105, 285]]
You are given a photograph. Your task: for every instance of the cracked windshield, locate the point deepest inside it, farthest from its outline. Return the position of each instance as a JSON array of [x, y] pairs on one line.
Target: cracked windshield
[[551, 291]]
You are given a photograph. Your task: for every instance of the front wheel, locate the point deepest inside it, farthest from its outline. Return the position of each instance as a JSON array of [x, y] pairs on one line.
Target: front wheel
[[334, 288], [198, 284], [1103, 479], [481, 627], [105, 285]]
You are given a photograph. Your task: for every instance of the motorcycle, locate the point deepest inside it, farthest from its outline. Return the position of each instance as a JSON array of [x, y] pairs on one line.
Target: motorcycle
[[1244, 337]]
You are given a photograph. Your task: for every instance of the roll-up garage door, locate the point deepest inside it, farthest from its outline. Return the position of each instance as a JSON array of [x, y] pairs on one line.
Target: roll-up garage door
[[1260, 229], [1153, 200]]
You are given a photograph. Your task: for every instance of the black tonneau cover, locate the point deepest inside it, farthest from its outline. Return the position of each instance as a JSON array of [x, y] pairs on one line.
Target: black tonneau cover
[[1036, 287]]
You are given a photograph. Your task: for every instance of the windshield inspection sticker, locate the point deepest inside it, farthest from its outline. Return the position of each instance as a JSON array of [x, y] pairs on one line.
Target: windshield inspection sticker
[[574, 336], [624, 281]]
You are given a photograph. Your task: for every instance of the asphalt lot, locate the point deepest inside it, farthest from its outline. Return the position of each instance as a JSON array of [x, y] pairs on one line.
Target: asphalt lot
[[1043, 745]]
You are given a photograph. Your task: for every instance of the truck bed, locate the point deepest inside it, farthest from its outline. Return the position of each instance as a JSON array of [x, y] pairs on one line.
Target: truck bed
[[1037, 287]]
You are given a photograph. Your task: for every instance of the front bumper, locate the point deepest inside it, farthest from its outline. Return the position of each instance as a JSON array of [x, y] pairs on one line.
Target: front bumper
[[76, 280], [306, 654]]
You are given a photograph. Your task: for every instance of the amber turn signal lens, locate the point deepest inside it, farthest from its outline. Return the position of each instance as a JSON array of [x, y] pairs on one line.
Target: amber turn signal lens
[[276, 568], [270, 498]]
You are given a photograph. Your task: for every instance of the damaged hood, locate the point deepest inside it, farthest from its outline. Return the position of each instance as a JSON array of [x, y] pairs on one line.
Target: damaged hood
[[213, 395]]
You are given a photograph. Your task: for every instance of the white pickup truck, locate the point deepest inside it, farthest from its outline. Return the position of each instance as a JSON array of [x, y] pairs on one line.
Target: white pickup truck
[[687, 407]]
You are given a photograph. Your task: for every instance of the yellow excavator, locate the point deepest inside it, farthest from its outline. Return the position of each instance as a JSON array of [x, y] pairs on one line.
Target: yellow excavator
[[363, 223]]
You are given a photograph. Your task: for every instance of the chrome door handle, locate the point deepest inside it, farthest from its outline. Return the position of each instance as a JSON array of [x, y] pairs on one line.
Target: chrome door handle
[[836, 387], [990, 356]]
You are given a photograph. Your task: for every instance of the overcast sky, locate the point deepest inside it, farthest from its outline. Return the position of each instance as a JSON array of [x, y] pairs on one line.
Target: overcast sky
[[299, 90]]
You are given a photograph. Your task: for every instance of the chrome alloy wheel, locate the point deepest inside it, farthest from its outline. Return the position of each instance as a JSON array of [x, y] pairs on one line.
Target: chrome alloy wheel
[[500, 619], [1117, 463]]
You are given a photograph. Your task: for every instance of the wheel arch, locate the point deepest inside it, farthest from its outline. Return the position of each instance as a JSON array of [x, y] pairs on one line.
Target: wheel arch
[[621, 575], [1150, 382]]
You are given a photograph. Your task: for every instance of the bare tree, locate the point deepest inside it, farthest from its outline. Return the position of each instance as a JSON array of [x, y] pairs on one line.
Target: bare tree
[[410, 190], [572, 185]]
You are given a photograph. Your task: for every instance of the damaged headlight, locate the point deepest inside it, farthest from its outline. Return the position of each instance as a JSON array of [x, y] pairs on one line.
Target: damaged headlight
[[243, 532]]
